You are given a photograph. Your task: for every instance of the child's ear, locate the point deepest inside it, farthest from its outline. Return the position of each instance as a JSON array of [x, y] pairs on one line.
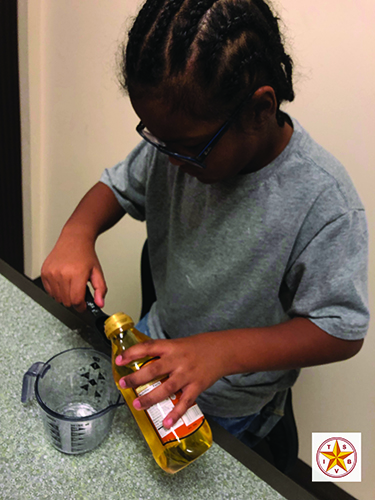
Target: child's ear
[[264, 105]]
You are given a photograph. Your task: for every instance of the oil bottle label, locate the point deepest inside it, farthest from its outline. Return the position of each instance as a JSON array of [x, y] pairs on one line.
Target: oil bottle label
[[185, 426]]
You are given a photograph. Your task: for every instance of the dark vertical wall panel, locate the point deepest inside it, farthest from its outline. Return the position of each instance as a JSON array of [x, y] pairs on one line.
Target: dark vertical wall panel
[[11, 228]]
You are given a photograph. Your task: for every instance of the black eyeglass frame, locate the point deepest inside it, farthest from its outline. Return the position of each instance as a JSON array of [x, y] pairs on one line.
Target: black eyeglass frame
[[198, 160]]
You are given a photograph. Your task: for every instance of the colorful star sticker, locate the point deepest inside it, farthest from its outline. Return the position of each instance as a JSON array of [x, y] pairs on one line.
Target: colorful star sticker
[[336, 457]]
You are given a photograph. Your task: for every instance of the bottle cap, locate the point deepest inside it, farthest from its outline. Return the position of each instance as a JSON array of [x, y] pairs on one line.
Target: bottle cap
[[117, 321]]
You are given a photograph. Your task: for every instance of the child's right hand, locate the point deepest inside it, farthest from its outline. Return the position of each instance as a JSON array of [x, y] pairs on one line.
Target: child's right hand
[[67, 269], [73, 261]]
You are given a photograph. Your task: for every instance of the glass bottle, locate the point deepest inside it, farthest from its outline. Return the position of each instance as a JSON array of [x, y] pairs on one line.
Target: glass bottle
[[175, 448]]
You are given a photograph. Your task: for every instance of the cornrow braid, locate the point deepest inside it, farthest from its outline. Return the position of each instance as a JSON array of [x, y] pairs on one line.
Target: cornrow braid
[[136, 38], [245, 48], [152, 63], [229, 25], [185, 31], [212, 47], [207, 54]]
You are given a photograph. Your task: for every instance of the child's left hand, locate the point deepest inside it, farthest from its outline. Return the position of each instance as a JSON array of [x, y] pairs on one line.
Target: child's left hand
[[192, 365]]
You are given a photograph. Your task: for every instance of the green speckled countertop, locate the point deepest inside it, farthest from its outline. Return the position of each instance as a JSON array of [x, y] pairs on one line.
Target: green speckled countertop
[[122, 467]]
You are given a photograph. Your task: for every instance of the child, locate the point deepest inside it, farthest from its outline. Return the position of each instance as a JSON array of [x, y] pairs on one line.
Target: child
[[257, 237]]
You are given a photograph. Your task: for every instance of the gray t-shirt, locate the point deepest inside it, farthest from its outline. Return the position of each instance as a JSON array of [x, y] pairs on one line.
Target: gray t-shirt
[[256, 250]]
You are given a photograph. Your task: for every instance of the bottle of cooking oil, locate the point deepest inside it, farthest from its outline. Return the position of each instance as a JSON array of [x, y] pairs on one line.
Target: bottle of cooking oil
[[173, 448]]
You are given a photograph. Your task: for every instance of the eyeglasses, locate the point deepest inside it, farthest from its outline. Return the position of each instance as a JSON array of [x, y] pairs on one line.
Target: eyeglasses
[[197, 160]]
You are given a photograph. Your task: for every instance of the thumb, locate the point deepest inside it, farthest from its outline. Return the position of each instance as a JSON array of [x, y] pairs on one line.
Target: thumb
[[100, 288]]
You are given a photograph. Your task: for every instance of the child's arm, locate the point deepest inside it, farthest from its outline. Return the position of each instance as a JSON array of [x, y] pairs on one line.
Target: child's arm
[[73, 261], [195, 363]]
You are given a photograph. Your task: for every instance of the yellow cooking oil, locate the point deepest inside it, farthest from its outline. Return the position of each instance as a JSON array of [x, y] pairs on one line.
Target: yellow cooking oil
[[189, 438]]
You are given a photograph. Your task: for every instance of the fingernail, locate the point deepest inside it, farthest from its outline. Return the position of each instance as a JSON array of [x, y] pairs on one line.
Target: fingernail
[[122, 383], [168, 423], [118, 360], [137, 404]]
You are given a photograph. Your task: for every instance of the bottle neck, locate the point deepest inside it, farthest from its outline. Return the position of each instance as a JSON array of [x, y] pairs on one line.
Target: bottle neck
[[124, 339]]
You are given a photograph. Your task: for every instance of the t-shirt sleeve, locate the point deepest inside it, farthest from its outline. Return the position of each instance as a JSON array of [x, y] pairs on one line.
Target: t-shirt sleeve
[[128, 180], [327, 282]]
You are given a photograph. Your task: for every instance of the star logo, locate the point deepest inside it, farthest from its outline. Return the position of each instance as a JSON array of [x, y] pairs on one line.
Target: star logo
[[336, 457]]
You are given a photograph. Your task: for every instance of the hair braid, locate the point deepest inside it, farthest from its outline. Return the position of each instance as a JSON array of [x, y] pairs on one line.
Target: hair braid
[[211, 47], [142, 24], [215, 51], [232, 45], [185, 31], [243, 46], [153, 61]]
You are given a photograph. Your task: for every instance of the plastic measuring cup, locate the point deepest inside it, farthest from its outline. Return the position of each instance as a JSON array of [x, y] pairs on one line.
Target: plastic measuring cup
[[77, 397]]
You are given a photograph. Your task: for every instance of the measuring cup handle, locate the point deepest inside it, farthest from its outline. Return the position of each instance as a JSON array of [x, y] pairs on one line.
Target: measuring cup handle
[[29, 381], [120, 401]]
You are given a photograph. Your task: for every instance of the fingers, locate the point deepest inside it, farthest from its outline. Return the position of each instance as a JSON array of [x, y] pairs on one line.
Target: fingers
[[183, 365], [100, 286], [75, 294], [151, 348], [167, 389], [174, 384], [66, 288], [46, 285], [187, 399], [154, 369], [66, 280], [75, 290], [62, 291]]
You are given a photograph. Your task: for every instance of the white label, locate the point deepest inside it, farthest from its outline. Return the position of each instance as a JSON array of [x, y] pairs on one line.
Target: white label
[[158, 412], [193, 413]]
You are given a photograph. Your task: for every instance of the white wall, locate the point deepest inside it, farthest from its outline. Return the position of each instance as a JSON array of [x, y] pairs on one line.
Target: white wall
[[76, 123], [31, 97], [79, 124]]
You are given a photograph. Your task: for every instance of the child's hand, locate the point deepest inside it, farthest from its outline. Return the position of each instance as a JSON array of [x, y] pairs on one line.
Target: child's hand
[[192, 364], [73, 261], [195, 363], [67, 269]]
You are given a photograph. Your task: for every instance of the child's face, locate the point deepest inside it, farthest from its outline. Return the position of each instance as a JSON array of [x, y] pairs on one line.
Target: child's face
[[235, 152]]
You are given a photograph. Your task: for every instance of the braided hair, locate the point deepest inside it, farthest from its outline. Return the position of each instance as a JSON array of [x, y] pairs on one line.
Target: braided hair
[[206, 55]]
